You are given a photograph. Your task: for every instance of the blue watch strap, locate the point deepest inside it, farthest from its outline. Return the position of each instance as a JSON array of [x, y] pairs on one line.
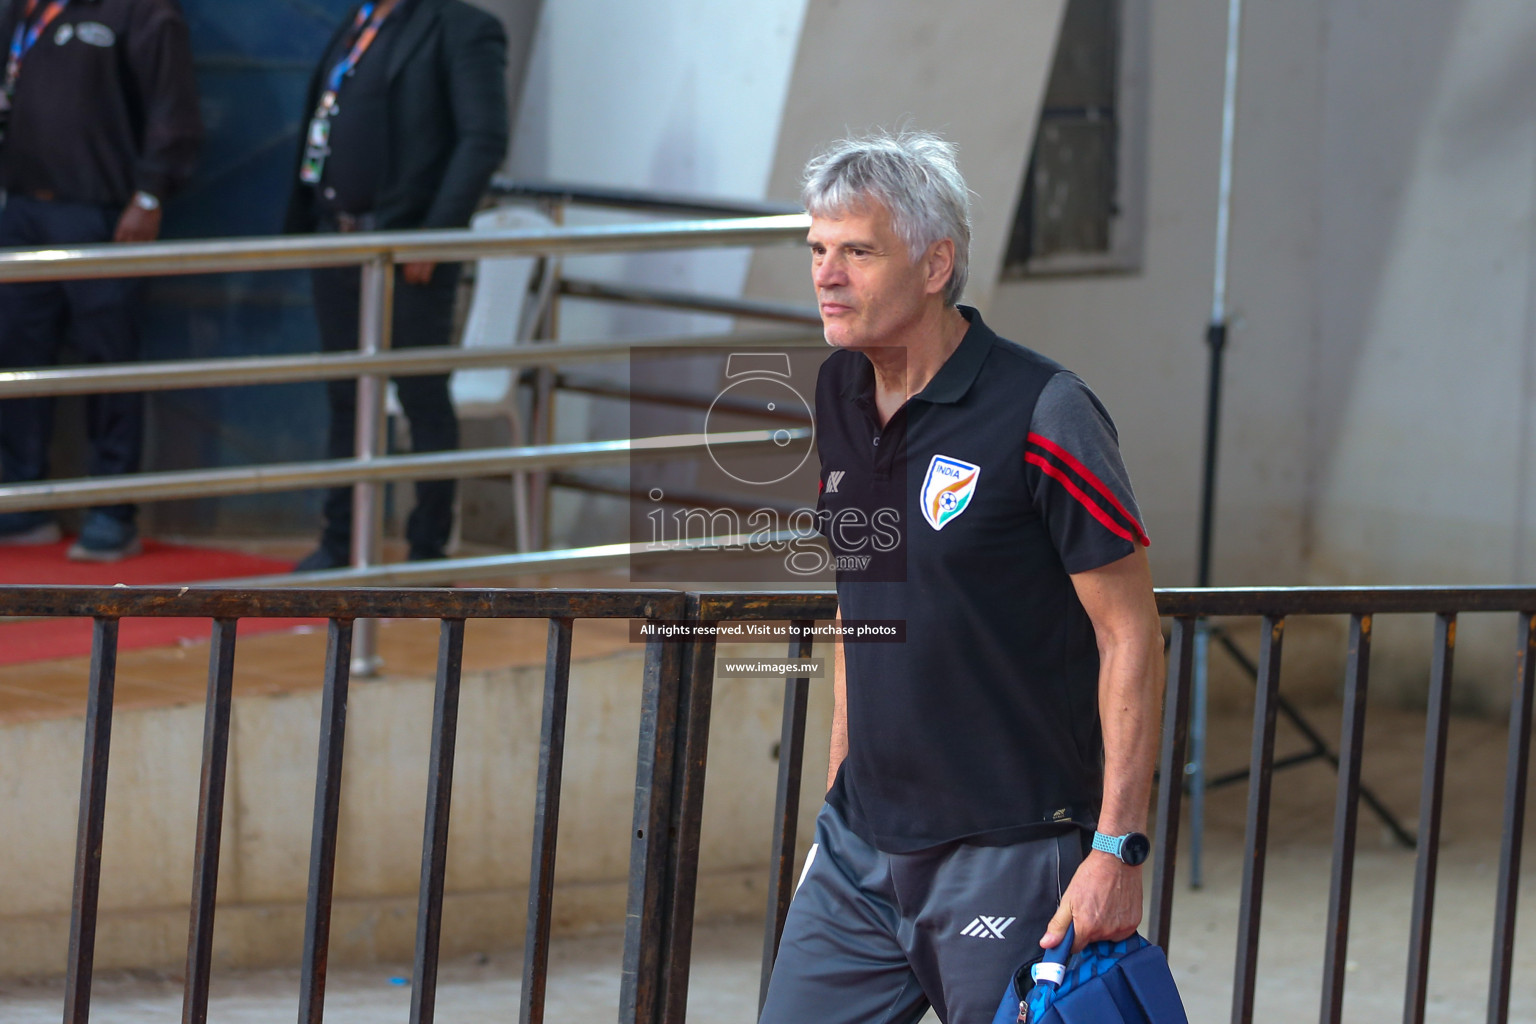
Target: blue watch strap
[[1108, 844]]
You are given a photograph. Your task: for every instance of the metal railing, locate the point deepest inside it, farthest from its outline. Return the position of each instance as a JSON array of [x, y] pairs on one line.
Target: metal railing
[[672, 761], [373, 364], [377, 254]]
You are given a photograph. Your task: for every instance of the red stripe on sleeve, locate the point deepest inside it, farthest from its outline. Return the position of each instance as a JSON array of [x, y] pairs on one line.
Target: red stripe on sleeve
[[1088, 475], [1078, 493]]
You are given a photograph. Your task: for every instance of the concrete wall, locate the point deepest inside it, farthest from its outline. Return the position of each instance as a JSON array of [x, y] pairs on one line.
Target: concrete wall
[[678, 96], [1377, 423], [973, 72], [152, 814]]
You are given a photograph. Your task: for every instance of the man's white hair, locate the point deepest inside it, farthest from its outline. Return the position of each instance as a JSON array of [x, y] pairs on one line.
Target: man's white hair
[[914, 175]]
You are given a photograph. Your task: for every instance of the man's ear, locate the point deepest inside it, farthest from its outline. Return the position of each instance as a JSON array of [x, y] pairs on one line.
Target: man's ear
[[940, 265]]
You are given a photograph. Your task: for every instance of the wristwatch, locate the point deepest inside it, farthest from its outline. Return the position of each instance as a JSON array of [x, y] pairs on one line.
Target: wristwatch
[[1131, 848], [145, 201]]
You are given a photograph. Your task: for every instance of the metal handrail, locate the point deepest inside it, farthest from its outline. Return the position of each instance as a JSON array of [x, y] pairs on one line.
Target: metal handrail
[[210, 483], [154, 259], [377, 253], [633, 295], [636, 200], [169, 375]]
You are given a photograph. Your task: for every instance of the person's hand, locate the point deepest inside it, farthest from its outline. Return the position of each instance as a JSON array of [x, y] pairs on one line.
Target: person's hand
[[137, 224], [1103, 901], [418, 273]]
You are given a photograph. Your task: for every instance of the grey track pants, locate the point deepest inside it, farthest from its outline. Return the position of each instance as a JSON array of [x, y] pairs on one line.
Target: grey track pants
[[875, 938]]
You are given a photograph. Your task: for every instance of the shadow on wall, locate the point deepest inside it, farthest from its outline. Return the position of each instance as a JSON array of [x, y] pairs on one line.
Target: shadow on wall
[[1384, 67]]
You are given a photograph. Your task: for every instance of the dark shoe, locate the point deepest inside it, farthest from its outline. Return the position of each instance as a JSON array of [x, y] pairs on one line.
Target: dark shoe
[[425, 554], [321, 559], [25, 529], [105, 539]]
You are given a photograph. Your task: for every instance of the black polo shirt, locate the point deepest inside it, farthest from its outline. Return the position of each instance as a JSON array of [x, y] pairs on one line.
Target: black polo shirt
[[997, 481]]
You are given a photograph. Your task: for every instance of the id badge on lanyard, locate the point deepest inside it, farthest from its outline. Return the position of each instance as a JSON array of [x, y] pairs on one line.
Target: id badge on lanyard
[[317, 139]]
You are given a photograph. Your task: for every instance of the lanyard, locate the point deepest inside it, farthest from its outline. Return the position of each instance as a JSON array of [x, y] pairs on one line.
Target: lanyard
[[24, 38], [367, 28], [317, 145]]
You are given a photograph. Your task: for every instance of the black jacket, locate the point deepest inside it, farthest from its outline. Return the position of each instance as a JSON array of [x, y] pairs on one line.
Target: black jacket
[[106, 104], [447, 127]]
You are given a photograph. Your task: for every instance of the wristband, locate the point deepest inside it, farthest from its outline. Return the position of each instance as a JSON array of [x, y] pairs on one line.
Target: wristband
[[1131, 848]]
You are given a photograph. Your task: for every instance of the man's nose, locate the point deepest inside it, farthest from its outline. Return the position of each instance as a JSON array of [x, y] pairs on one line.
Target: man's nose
[[828, 271]]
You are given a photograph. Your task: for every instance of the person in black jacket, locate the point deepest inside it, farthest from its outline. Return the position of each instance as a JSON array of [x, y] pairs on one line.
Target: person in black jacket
[[406, 121], [99, 112]]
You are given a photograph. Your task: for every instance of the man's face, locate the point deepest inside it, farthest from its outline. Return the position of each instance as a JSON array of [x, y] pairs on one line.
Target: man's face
[[868, 288]]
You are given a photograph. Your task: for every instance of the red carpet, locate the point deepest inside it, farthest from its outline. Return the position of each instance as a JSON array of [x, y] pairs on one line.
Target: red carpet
[[45, 565]]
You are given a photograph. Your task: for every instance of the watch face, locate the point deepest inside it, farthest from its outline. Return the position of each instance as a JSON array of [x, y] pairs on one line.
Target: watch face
[[1136, 849]]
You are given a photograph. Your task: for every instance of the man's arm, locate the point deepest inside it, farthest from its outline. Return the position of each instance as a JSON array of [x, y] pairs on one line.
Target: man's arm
[[477, 97], [1104, 899], [839, 707], [160, 61]]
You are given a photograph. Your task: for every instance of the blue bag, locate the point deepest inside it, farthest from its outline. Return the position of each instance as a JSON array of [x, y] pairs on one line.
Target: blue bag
[[1125, 982]]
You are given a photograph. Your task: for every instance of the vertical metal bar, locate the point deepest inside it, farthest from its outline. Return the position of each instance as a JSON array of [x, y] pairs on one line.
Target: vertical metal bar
[[1431, 797], [1171, 775], [1515, 782], [1346, 816], [786, 812], [639, 988], [546, 820], [374, 323], [93, 812], [434, 840], [322, 841], [695, 704], [210, 820], [542, 422], [1195, 769], [536, 312], [541, 409], [1261, 771]]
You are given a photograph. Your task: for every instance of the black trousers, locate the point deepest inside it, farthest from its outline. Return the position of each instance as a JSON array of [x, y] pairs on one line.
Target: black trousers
[[423, 316], [99, 319]]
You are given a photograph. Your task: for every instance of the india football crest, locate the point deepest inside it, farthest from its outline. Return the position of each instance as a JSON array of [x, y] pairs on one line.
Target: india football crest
[[947, 489]]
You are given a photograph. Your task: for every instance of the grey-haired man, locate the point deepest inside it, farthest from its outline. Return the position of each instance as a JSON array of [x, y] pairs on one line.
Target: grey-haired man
[[990, 775]]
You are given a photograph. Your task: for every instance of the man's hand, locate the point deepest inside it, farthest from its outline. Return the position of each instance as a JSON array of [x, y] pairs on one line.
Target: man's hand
[[1103, 901], [137, 224], [418, 273]]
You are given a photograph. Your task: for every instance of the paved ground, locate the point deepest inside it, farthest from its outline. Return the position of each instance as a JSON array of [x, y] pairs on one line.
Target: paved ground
[[584, 976]]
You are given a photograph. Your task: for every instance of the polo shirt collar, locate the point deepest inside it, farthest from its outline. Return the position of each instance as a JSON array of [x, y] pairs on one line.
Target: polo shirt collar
[[960, 370], [954, 378]]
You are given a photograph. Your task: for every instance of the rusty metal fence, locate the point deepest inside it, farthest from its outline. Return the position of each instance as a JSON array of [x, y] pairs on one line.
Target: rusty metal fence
[[671, 768]]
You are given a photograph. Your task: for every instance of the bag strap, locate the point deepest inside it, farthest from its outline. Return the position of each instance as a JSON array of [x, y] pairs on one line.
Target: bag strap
[[1052, 968]]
